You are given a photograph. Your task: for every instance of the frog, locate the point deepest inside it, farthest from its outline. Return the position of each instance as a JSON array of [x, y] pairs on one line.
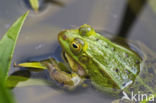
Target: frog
[[110, 67]]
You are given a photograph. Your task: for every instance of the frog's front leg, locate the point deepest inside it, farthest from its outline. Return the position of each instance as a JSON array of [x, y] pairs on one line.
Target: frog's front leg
[[69, 80], [57, 70]]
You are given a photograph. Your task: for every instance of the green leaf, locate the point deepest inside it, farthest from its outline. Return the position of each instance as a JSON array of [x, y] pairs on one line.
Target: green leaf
[[38, 65], [7, 45], [34, 4], [5, 95]]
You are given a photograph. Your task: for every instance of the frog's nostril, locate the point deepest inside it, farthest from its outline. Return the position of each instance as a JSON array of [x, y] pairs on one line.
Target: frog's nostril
[[62, 35]]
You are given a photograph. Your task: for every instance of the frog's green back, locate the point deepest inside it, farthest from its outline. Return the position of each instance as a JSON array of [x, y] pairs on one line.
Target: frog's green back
[[117, 63]]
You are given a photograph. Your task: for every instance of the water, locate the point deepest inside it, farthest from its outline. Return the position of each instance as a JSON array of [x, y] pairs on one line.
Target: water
[[38, 38]]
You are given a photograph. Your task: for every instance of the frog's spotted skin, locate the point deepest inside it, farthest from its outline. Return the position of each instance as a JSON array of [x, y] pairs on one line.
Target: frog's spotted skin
[[145, 82]]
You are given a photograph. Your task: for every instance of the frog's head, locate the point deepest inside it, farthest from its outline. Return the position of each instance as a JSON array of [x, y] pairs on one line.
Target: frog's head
[[73, 41]]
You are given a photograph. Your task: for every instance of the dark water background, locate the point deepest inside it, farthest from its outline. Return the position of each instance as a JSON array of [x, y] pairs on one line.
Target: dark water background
[[38, 38]]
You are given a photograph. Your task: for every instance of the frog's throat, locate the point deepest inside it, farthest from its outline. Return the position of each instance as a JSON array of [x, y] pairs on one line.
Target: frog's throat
[[64, 56], [67, 58], [75, 67]]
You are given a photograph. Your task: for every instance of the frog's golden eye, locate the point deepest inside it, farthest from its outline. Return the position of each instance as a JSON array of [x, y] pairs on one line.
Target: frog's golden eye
[[85, 30], [76, 46]]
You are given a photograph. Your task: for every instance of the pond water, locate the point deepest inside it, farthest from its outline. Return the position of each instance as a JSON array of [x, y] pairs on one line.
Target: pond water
[[38, 38]]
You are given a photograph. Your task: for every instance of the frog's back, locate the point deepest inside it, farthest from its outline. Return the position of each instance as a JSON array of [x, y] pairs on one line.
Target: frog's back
[[117, 63]]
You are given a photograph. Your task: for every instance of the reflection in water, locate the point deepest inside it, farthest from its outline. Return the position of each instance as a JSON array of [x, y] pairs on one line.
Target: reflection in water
[[18, 76], [24, 73], [56, 2], [43, 4], [133, 9]]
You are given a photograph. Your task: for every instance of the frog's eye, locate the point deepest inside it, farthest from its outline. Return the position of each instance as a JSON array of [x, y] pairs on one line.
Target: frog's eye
[[85, 30], [76, 46]]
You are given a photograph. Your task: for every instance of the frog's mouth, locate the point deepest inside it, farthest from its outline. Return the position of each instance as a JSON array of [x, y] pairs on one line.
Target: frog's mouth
[[75, 67], [64, 56], [67, 58]]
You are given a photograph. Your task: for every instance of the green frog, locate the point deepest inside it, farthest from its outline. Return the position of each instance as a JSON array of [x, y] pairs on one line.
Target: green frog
[[110, 67]]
